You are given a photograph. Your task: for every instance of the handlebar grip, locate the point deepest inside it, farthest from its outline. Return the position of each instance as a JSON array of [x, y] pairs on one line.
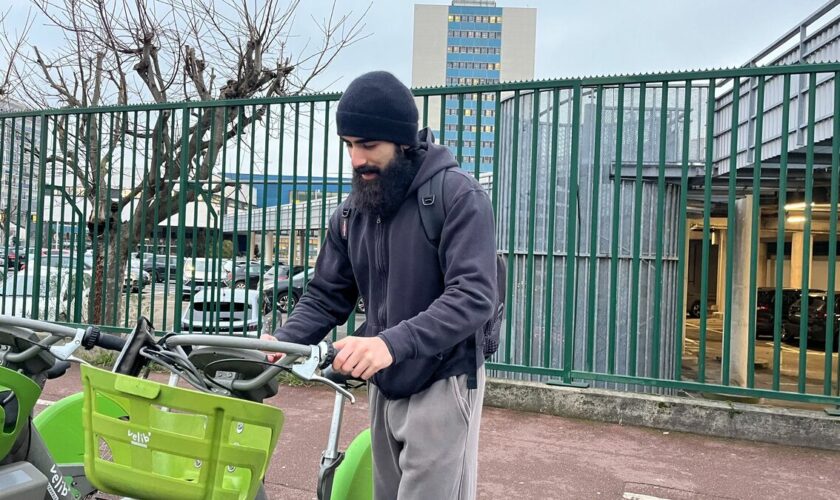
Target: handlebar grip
[[111, 342], [94, 337]]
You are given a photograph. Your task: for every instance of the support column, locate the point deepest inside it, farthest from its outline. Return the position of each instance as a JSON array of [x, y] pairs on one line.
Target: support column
[[797, 250], [269, 247], [761, 262], [739, 312], [720, 292]]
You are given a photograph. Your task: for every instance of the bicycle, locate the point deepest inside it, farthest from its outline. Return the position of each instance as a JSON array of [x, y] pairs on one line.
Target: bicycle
[[216, 441], [42, 457]]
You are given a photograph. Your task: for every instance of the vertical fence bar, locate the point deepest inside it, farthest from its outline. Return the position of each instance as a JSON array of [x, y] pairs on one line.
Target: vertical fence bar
[[780, 235], [496, 137], [140, 281], [637, 236], [571, 240], [147, 174], [182, 203], [807, 247], [39, 225], [293, 209], [511, 228], [731, 224], [707, 207], [593, 230], [425, 111], [308, 229], [131, 242], [681, 244], [660, 217], [532, 232], [28, 216], [755, 234], [277, 226], [552, 213], [614, 252], [478, 134], [459, 149], [832, 240]]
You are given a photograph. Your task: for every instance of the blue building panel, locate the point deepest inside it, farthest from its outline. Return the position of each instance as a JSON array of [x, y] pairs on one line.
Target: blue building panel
[[273, 190]]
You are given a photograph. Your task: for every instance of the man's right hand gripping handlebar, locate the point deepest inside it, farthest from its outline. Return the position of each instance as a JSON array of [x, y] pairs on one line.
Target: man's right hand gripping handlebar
[[359, 357]]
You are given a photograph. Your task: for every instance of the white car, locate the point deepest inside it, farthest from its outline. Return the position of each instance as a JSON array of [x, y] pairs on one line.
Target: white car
[[225, 310], [56, 295]]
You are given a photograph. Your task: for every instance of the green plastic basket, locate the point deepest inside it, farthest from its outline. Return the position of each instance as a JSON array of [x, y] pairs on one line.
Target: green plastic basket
[[26, 391], [175, 443]]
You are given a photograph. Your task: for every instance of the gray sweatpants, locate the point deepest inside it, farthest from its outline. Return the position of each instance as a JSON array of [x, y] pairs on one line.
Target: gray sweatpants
[[426, 446]]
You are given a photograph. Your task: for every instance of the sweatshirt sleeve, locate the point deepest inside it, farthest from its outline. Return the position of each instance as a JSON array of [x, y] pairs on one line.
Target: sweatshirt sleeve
[[468, 254], [330, 297]]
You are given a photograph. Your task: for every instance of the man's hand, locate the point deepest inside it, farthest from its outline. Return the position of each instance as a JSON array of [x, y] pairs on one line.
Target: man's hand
[[362, 357], [272, 356]]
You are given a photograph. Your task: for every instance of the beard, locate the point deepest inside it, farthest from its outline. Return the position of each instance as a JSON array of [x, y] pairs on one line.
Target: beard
[[384, 194]]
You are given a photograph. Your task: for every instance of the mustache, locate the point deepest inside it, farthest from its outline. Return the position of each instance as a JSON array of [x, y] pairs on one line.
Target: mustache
[[367, 169]]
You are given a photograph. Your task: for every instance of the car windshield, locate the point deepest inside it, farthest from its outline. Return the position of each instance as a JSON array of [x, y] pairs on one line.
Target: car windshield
[[24, 284]]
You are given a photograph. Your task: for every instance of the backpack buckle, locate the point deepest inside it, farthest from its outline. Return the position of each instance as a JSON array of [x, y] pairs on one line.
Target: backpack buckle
[[345, 212], [428, 200]]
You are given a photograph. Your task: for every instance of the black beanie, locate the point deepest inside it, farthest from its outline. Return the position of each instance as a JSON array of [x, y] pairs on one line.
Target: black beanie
[[378, 106]]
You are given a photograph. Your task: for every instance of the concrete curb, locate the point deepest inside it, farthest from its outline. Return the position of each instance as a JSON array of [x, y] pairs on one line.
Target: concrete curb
[[792, 427]]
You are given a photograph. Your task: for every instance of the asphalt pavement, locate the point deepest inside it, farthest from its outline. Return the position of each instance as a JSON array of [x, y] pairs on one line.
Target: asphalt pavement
[[534, 456]]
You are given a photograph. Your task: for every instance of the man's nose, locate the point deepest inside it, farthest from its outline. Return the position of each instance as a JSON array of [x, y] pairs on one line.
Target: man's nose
[[357, 159]]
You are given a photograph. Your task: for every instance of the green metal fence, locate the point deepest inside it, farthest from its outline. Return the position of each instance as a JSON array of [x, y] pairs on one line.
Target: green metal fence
[[624, 206]]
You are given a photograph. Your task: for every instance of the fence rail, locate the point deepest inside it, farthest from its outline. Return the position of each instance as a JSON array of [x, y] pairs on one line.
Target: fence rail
[[624, 205]]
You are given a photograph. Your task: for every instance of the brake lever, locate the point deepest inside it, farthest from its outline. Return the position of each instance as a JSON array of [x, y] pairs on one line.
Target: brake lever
[[337, 388], [308, 369], [65, 351]]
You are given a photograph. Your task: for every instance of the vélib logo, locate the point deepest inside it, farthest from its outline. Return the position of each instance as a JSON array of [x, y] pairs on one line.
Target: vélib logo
[[140, 438]]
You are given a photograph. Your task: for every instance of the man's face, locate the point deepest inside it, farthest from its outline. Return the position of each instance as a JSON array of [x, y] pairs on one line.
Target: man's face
[[382, 174]]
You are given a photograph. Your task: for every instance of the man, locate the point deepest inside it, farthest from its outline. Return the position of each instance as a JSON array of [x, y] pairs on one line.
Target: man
[[427, 301]]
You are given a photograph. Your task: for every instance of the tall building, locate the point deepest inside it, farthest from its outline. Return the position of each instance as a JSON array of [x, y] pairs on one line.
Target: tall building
[[18, 170], [471, 42]]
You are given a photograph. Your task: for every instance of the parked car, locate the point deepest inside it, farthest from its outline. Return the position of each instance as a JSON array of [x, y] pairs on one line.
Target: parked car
[[817, 310], [765, 303], [277, 294], [693, 304], [225, 310], [247, 275], [13, 258], [57, 295], [202, 272], [136, 278], [161, 268]]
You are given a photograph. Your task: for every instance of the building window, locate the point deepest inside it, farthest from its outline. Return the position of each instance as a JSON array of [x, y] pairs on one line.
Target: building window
[[451, 18]]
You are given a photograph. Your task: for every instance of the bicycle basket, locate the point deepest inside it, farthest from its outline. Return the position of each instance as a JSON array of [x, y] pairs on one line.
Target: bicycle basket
[[175, 443], [26, 391]]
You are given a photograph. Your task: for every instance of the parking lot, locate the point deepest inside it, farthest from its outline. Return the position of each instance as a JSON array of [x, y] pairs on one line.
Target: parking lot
[[157, 302], [789, 359]]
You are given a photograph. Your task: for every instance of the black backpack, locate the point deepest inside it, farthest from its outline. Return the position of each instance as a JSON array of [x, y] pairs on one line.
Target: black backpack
[[432, 215]]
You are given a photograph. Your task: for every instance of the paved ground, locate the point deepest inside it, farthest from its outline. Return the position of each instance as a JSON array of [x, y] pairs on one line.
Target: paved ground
[[525, 455]]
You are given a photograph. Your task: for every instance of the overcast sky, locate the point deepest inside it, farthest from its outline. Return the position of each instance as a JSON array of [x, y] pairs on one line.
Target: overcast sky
[[593, 37], [574, 37]]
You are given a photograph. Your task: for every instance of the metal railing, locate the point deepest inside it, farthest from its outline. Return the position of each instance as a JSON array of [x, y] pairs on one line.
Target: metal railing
[[622, 205]]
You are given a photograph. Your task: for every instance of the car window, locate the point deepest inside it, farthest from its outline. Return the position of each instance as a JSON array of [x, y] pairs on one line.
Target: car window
[[23, 285]]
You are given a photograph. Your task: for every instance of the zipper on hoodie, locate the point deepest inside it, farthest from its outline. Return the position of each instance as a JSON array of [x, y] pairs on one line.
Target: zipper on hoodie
[[380, 265]]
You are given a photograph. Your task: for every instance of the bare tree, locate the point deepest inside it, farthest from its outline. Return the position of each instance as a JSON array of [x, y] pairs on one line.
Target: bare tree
[[149, 51]]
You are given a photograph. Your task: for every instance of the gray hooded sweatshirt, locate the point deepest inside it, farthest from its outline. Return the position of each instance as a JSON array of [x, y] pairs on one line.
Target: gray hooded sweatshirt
[[427, 302]]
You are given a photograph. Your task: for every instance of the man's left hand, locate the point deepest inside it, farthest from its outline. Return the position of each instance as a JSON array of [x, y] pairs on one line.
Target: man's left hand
[[362, 357]]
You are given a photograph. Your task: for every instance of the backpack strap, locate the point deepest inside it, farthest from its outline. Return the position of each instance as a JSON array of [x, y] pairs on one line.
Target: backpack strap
[[346, 214], [430, 202]]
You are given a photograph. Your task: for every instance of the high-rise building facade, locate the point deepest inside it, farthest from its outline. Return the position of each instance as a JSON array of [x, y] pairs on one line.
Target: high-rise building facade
[[18, 170], [471, 42]]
